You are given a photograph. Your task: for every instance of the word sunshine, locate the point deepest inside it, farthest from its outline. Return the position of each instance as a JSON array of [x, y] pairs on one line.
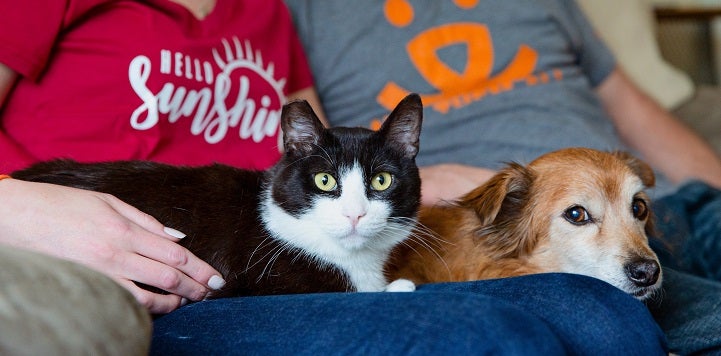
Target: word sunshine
[[221, 104]]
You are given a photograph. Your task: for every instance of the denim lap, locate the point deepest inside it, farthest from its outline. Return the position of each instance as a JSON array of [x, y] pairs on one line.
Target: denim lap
[[552, 314], [689, 230]]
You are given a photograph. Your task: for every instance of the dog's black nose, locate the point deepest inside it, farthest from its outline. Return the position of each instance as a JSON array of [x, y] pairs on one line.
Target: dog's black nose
[[643, 272]]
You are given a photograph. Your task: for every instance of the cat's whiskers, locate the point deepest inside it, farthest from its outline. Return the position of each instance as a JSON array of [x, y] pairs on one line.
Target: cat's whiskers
[[268, 240], [391, 231], [421, 241], [426, 238], [327, 157], [279, 249], [374, 164], [274, 253], [302, 159], [431, 235]]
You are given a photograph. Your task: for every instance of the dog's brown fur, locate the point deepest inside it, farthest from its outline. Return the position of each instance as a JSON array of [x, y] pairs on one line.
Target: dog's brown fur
[[516, 224]]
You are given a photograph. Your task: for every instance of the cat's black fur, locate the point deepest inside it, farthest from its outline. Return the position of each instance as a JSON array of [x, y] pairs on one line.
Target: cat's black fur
[[217, 206]]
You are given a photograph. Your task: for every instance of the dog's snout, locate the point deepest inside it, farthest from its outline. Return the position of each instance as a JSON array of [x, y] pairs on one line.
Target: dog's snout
[[643, 272]]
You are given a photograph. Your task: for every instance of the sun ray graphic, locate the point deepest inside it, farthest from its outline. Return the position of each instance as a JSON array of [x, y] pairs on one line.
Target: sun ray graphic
[[241, 55]]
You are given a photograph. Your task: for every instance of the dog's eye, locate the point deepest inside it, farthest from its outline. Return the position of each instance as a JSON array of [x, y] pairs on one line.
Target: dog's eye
[[639, 209], [577, 215]]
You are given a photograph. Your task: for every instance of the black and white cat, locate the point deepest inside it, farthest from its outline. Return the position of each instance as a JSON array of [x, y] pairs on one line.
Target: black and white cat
[[323, 219]]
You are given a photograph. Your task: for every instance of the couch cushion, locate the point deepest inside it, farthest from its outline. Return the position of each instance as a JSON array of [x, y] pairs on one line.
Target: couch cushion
[[628, 27], [50, 306]]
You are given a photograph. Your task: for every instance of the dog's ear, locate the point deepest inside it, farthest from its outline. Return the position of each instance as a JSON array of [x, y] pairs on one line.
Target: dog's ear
[[500, 205], [639, 167]]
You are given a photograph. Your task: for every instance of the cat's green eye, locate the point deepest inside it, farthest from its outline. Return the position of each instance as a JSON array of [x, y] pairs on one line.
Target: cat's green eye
[[324, 182], [381, 181]]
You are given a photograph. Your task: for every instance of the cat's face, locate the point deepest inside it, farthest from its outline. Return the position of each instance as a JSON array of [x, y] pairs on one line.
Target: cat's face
[[346, 189]]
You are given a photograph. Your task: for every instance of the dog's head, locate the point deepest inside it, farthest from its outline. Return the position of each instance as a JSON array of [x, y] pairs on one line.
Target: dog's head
[[575, 210]]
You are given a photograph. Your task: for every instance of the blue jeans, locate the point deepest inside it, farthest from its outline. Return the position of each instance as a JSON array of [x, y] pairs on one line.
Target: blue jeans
[[688, 225], [689, 312], [548, 314], [688, 239]]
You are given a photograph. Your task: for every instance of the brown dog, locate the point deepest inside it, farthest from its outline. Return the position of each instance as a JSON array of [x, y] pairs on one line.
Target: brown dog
[[574, 210]]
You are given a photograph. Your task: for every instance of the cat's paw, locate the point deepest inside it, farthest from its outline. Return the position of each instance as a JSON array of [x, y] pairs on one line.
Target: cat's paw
[[401, 285]]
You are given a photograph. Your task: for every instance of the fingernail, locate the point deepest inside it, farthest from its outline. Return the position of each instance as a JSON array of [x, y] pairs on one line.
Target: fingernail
[[183, 301], [174, 233], [216, 282]]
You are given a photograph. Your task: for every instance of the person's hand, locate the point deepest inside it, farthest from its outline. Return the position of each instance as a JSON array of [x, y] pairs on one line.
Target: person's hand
[[444, 182], [103, 233]]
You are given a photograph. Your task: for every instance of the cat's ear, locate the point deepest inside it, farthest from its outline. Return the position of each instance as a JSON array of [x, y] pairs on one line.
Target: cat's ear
[[301, 127], [403, 125]]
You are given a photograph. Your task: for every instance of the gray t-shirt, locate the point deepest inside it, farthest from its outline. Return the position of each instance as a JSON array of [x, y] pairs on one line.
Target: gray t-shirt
[[501, 80]]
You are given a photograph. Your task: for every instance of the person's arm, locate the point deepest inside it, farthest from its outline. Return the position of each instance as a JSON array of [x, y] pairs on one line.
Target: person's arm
[[664, 141], [449, 181], [101, 232]]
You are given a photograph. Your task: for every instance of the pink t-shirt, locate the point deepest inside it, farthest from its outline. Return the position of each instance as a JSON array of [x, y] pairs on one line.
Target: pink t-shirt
[[112, 80]]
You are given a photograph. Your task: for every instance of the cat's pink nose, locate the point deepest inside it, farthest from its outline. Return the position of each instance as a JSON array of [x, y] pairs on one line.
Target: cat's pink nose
[[355, 217]]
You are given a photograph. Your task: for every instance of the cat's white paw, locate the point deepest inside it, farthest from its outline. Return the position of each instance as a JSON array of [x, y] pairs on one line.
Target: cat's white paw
[[401, 285]]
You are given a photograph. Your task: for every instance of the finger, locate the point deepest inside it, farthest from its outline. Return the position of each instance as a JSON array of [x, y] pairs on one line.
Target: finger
[[177, 257], [154, 302], [153, 273], [161, 250], [146, 221]]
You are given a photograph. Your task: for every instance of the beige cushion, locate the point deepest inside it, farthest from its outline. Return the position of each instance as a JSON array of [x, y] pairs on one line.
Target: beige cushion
[[628, 27], [53, 307]]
